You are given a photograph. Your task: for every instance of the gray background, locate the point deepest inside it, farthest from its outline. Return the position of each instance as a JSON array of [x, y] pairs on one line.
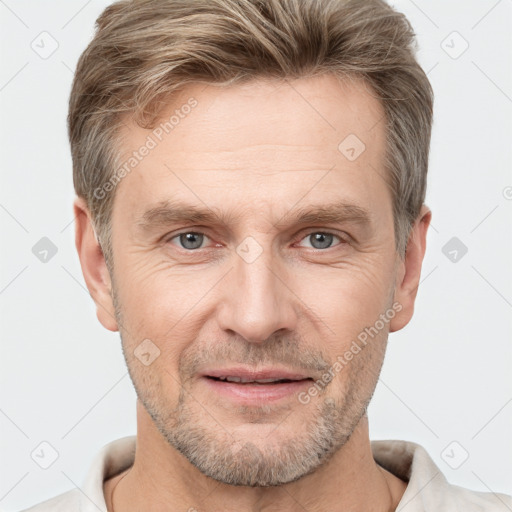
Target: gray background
[[446, 380]]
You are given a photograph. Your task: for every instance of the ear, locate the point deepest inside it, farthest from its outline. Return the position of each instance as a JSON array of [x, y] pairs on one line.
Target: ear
[[94, 267], [409, 270]]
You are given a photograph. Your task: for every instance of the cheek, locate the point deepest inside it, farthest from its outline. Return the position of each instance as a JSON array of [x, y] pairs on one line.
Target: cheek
[[163, 304], [155, 292], [346, 298]]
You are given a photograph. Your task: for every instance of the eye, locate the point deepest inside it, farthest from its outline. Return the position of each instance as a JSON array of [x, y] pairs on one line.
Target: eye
[[189, 240], [321, 239]]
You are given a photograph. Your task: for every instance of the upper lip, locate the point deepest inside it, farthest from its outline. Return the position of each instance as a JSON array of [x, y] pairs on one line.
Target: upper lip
[[248, 374]]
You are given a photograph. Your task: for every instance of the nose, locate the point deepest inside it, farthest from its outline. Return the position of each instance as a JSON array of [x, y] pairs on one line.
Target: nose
[[258, 299]]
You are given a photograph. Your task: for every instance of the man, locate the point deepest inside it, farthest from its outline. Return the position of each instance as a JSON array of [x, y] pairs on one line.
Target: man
[[250, 216]]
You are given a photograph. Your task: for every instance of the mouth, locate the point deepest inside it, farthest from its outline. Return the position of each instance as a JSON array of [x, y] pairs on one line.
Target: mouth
[[241, 380], [250, 387]]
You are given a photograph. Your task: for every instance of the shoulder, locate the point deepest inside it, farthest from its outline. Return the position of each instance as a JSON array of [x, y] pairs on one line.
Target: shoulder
[[427, 488], [69, 501], [473, 501], [113, 458]]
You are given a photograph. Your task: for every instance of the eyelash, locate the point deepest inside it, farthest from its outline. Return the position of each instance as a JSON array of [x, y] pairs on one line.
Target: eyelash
[[323, 232]]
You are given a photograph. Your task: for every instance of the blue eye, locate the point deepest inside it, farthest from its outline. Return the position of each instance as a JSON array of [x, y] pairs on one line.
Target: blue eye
[[321, 239], [190, 240]]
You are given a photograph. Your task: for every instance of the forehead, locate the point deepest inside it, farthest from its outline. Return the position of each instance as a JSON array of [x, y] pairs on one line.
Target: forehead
[[259, 141]]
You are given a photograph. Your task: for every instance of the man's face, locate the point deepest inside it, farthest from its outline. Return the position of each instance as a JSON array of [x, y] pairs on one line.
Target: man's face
[[257, 289]]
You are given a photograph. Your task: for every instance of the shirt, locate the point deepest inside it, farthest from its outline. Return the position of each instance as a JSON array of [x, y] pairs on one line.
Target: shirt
[[427, 488]]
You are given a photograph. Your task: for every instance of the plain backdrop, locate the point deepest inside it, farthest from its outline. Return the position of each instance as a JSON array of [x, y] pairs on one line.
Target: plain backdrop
[[446, 380]]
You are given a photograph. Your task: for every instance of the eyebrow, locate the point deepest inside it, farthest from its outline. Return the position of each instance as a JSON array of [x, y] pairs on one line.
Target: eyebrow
[[169, 212]]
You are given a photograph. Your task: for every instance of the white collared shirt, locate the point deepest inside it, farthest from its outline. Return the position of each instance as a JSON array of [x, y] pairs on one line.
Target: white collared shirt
[[427, 488]]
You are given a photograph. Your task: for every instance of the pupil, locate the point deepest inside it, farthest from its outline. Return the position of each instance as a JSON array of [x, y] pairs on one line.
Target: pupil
[[191, 240], [321, 240]]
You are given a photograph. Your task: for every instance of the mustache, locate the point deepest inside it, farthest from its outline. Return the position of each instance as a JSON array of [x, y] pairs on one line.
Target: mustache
[[286, 352]]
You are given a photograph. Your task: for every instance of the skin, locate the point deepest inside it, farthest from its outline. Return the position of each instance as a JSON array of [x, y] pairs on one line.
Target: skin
[[294, 304]]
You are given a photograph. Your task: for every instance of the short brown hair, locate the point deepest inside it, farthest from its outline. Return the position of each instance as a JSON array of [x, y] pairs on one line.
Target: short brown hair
[[143, 50]]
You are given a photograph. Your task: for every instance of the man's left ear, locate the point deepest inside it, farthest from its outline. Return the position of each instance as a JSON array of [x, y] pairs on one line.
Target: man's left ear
[[409, 270]]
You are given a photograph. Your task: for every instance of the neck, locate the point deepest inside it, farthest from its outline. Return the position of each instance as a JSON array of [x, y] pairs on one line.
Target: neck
[[350, 480]]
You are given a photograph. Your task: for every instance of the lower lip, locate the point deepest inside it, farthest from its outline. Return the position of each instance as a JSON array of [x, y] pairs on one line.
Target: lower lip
[[256, 393]]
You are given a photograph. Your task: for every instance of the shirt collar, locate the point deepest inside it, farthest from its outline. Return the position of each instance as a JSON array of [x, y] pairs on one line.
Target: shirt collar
[[406, 460]]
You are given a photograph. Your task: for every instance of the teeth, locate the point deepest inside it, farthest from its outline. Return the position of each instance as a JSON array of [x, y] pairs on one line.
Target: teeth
[[245, 381]]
